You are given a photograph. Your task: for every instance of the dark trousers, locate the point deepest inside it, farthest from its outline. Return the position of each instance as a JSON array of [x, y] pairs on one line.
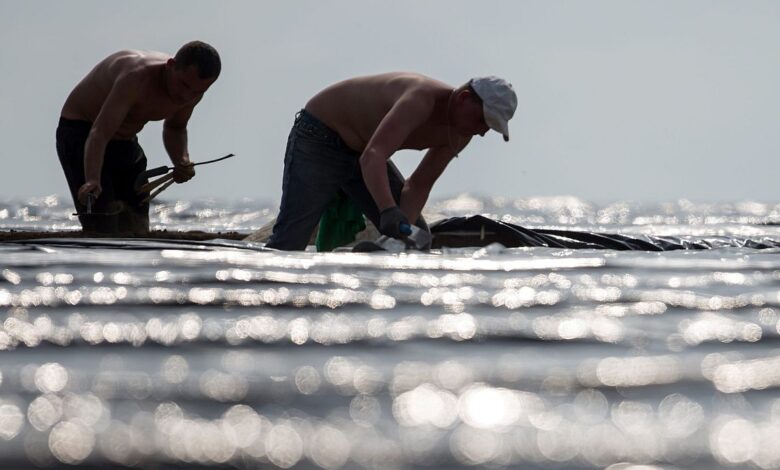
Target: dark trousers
[[317, 164], [118, 209]]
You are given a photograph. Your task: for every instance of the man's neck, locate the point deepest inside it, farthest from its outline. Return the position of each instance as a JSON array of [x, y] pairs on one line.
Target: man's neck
[[450, 99], [443, 107]]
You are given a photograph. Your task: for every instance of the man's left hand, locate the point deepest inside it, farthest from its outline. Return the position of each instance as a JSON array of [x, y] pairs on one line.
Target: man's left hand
[[183, 172], [393, 223]]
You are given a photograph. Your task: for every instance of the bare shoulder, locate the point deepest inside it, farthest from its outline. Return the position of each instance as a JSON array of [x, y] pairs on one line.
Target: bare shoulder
[[413, 87], [411, 81], [131, 66]]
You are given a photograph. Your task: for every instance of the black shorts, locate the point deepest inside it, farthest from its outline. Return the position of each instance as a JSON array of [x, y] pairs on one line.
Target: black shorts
[[118, 209]]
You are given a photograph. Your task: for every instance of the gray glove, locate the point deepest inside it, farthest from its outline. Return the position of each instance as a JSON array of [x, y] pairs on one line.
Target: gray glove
[[393, 223]]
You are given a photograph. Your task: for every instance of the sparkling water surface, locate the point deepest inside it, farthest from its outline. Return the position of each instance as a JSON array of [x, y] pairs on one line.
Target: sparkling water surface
[[167, 354]]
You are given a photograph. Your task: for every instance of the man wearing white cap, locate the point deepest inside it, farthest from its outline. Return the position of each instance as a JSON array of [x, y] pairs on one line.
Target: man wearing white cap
[[344, 137]]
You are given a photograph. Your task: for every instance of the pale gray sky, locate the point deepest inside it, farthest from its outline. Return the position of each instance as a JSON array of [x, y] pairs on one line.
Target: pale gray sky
[[619, 100]]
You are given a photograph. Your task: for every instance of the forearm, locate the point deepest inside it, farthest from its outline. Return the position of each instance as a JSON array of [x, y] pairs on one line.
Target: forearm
[[94, 150], [412, 201], [374, 169], [175, 141]]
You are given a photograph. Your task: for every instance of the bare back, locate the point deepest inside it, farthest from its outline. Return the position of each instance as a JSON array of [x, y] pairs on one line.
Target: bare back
[[153, 103], [355, 107]]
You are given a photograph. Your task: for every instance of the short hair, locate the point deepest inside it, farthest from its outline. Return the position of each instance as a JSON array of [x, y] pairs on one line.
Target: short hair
[[202, 56], [474, 93], [467, 86]]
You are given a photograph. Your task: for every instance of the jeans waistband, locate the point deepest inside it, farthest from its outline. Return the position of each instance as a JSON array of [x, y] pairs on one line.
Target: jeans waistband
[[313, 127], [75, 124], [83, 127]]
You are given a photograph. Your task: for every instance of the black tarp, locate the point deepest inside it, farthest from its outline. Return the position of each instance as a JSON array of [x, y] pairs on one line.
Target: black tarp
[[477, 230]]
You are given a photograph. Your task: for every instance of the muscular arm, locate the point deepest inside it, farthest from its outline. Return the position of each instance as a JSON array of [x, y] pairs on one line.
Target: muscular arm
[[418, 186], [407, 114], [175, 141], [120, 99]]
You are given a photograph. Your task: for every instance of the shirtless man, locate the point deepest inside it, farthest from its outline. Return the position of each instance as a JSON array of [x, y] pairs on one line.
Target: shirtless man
[[343, 138], [96, 136]]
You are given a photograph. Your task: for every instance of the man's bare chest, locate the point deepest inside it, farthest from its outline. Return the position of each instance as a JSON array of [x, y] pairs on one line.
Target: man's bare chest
[[152, 108], [427, 136]]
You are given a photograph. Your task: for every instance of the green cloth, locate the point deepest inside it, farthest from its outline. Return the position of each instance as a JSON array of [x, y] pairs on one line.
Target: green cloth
[[339, 224]]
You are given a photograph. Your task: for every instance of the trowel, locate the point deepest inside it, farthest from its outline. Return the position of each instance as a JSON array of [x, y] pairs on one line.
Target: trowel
[[419, 239], [416, 239]]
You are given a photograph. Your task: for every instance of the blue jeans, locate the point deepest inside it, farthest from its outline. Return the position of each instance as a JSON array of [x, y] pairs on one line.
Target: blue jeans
[[317, 164]]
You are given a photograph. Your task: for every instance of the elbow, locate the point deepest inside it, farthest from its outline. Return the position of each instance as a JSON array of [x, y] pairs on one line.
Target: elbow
[[169, 126], [374, 156], [368, 158], [98, 136]]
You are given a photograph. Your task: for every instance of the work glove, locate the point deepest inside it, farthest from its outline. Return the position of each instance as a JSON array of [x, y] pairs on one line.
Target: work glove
[[393, 223]]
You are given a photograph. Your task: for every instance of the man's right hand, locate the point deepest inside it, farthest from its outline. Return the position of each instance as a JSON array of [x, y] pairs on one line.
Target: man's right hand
[[183, 173], [393, 223], [87, 188]]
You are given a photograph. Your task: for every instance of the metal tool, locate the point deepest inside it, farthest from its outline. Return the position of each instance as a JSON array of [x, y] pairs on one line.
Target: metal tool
[[90, 212], [148, 187], [418, 239], [142, 178], [158, 190]]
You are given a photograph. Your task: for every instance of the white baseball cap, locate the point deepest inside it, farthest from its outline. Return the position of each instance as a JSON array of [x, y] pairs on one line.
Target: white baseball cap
[[499, 102]]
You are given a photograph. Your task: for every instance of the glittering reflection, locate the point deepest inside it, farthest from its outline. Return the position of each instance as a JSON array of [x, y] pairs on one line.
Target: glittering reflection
[[714, 327], [329, 447], [631, 371], [365, 410], [487, 407], [118, 443], [580, 326], [741, 376], [51, 377], [11, 276], [631, 466], [71, 442], [680, 416], [284, 446], [307, 380], [734, 441], [459, 327], [45, 411], [175, 369], [223, 387], [559, 444], [482, 357], [47, 278], [436, 406], [472, 446], [11, 420], [426, 405], [479, 261], [526, 297]]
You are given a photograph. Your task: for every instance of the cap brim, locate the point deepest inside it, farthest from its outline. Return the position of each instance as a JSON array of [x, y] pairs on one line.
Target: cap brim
[[497, 124], [503, 131], [502, 127]]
